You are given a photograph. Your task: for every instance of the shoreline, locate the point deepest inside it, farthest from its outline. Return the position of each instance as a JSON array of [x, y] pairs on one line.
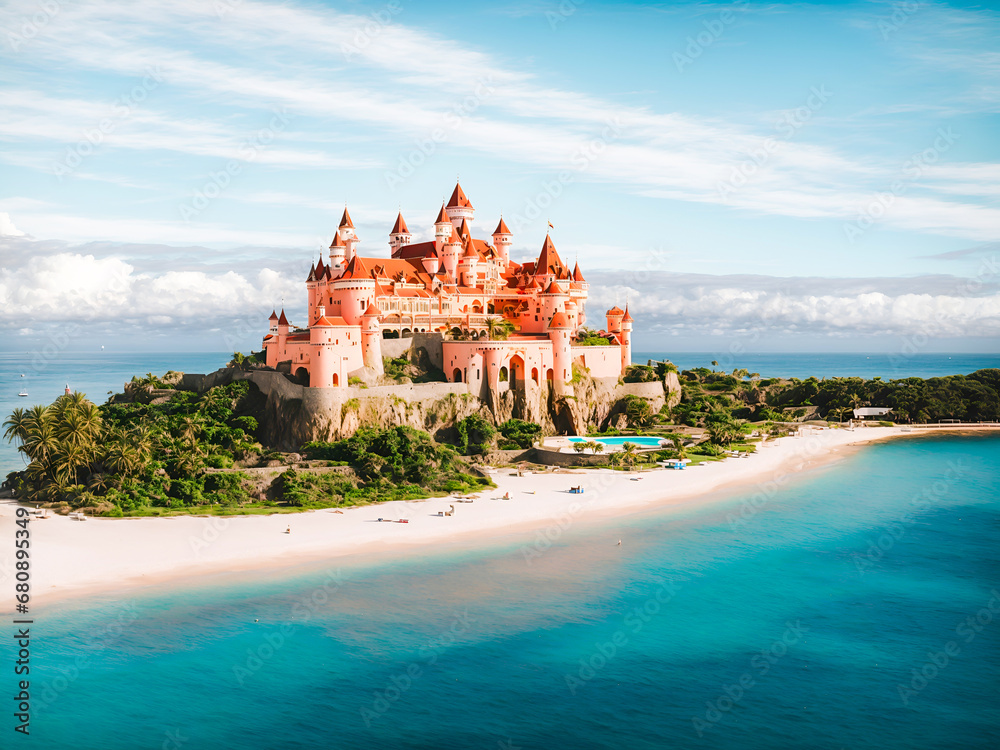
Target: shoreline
[[72, 559]]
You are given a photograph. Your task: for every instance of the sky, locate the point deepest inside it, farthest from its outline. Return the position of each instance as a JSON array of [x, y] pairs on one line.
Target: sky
[[805, 177]]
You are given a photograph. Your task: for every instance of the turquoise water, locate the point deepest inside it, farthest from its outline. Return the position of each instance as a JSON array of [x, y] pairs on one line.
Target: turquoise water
[[893, 365], [568, 640], [641, 441]]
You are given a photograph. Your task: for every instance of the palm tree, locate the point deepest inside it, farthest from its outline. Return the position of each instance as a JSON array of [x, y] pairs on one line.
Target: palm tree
[[629, 454], [16, 427], [498, 329], [615, 459], [597, 447]]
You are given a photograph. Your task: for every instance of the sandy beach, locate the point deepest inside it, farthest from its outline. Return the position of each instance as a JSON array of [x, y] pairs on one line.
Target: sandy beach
[[71, 558]]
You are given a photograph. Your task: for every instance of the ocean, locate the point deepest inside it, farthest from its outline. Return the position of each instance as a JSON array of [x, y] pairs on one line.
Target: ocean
[[854, 606], [47, 373]]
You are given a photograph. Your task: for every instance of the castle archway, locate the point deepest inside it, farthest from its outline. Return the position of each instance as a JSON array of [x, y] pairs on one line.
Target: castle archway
[[517, 371], [302, 376], [550, 374], [457, 375], [336, 380], [534, 374]]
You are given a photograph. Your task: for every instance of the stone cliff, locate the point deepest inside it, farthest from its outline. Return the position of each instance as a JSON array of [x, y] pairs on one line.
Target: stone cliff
[[293, 414]]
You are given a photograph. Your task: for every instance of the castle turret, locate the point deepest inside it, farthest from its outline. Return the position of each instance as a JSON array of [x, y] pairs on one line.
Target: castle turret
[[371, 340], [502, 241], [442, 228], [559, 333], [338, 254], [626, 337], [431, 262], [400, 236], [451, 253], [349, 235], [273, 321], [323, 359], [615, 315], [356, 289], [468, 266], [459, 207]]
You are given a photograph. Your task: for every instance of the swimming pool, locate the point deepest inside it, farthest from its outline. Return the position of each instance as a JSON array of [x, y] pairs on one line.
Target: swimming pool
[[642, 442]]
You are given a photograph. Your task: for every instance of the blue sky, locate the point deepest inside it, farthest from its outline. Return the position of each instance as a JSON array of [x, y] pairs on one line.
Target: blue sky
[[735, 155]]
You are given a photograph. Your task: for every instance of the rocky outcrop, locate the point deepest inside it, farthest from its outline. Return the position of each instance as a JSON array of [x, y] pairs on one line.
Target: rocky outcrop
[[292, 414]]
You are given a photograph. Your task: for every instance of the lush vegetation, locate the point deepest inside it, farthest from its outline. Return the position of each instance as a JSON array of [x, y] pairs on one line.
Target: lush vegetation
[[126, 456], [517, 433], [587, 337], [186, 452], [393, 463]]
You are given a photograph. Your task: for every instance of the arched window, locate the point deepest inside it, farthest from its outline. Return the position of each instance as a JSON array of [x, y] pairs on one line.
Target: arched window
[[336, 379], [457, 375], [534, 374], [550, 375], [503, 374]]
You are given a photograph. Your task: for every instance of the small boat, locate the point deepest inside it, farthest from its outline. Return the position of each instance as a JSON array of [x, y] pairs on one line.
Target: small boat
[[23, 393], [22, 374], [576, 490]]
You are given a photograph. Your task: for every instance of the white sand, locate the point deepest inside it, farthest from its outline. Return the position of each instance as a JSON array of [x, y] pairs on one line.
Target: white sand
[[71, 557]]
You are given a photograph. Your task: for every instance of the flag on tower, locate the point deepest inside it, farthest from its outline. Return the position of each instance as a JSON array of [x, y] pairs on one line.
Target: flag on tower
[[551, 226]]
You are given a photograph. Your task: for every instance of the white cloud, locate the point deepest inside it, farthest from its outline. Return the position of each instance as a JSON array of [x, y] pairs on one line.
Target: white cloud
[[7, 228]]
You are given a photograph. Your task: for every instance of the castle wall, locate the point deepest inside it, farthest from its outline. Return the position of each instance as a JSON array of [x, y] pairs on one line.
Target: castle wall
[[601, 361]]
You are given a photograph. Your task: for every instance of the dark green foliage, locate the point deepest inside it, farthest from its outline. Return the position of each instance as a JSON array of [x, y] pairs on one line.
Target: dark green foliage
[[475, 435], [393, 461], [638, 411], [518, 434], [641, 374]]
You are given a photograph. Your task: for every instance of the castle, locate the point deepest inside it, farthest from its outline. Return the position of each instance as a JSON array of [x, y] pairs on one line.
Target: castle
[[459, 287]]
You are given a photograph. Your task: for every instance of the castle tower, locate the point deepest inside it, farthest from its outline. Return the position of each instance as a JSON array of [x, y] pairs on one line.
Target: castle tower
[[311, 286], [502, 241], [349, 235], [400, 236], [469, 264], [323, 359], [615, 315], [356, 290], [451, 253], [283, 327], [626, 337], [273, 320], [562, 355], [338, 254], [459, 207], [442, 228], [371, 340]]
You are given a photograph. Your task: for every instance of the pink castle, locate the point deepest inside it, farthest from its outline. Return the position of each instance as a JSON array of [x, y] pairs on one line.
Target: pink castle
[[451, 285]]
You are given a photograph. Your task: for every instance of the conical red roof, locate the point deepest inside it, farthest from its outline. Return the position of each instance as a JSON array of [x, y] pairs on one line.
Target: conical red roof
[[554, 288], [577, 276], [549, 260], [274, 315], [559, 320], [501, 228], [459, 199], [627, 316], [345, 220], [337, 240], [371, 311], [616, 311], [442, 216], [400, 226], [464, 230], [282, 321]]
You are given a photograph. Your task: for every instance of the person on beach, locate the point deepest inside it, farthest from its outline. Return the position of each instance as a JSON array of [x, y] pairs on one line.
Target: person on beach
[[288, 530]]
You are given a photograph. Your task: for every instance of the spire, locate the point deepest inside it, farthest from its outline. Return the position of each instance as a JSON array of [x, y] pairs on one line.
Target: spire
[[442, 216], [470, 249], [310, 277], [274, 315], [464, 231], [282, 321], [337, 239], [501, 228], [320, 268], [400, 226], [627, 318], [345, 220], [459, 199], [548, 260], [577, 276]]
